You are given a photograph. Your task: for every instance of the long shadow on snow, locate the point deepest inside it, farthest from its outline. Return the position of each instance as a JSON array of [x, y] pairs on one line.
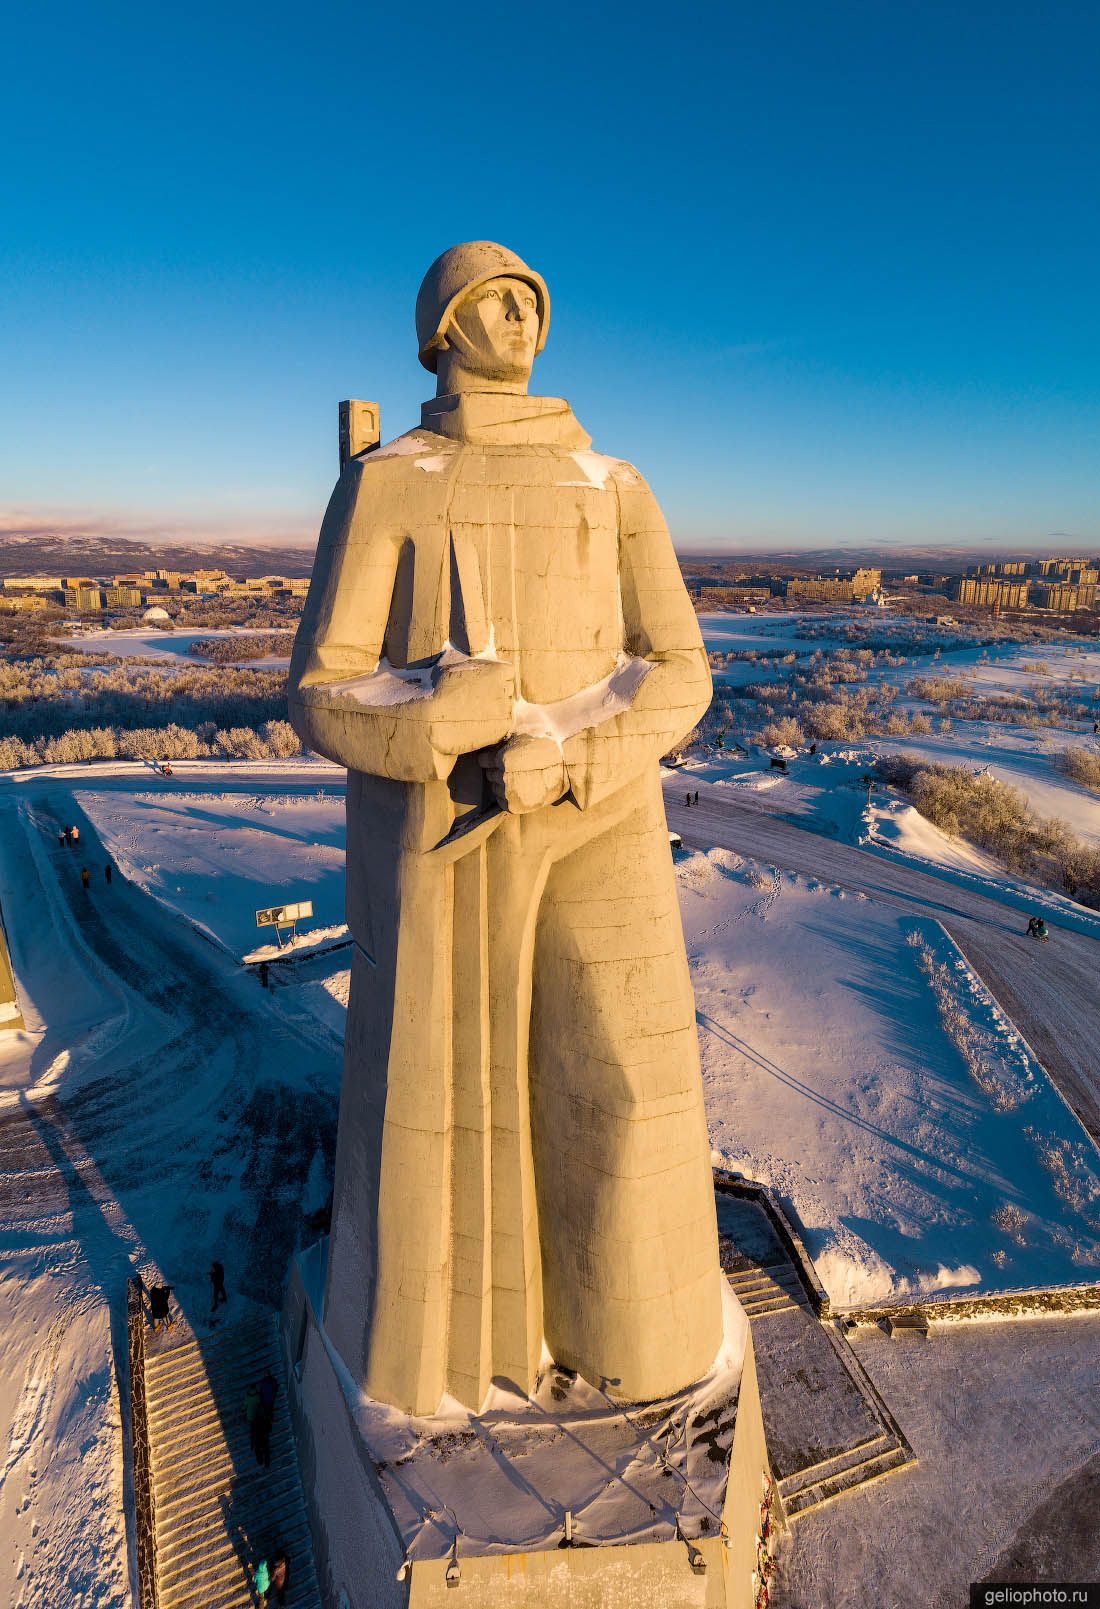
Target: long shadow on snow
[[195, 1124]]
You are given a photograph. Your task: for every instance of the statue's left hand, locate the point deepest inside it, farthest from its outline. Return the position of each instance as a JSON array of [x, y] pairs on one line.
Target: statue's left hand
[[525, 773]]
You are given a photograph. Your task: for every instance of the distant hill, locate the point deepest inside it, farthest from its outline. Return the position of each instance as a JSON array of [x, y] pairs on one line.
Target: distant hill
[[919, 557], [68, 554], [947, 560]]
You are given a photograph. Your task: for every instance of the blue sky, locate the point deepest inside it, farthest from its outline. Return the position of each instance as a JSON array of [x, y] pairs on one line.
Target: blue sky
[[826, 273]]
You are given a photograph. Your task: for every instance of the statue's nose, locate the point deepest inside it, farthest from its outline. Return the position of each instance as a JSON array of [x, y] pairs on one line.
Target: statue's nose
[[516, 309]]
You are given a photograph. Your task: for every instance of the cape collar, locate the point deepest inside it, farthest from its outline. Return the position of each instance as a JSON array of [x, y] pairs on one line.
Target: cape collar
[[498, 419]]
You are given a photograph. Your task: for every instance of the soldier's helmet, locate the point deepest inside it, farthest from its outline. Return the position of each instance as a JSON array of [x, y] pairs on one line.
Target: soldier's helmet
[[461, 269]]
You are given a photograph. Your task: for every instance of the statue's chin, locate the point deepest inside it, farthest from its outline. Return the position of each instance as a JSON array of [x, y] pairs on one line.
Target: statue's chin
[[467, 371]]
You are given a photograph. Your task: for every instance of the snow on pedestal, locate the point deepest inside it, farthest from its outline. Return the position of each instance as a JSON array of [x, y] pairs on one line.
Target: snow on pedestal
[[663, 1499]]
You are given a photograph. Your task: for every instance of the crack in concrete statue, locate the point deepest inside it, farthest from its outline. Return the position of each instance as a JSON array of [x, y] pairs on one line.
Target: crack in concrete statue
[[499, 647]]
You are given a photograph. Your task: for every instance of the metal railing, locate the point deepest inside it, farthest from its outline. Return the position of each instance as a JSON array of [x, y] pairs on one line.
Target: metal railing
[[144, 1517]]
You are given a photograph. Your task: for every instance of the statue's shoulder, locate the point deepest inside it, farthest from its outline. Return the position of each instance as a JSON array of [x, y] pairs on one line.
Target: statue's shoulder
[[606, 467], [404, 458]]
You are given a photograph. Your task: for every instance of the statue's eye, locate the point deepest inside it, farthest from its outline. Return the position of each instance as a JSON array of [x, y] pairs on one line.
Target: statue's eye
[[492, 296]]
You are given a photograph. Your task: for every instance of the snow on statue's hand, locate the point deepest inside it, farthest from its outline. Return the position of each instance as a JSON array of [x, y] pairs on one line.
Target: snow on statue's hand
[[525, 773]]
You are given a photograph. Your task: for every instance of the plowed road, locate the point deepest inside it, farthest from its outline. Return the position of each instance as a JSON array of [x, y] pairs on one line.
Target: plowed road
[[1049, 990]]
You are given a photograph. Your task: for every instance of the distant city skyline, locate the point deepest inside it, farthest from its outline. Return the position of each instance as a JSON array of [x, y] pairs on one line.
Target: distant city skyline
[[826, 275]]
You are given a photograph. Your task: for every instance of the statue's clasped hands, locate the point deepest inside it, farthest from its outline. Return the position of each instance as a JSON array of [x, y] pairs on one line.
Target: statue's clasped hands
[[524, 771]]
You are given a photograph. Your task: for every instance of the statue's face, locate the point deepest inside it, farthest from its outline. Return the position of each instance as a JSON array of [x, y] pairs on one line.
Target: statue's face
[[495, 329]]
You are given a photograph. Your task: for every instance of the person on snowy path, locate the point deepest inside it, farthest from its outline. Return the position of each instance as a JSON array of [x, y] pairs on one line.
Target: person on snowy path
[[269, 1390], [696, 799], [253, 1414], [261, 1579], [217, 1285], [159, 1310], [280, 1577], [85, 878], [68, 835], [61, 838], [261, 1438], [108, 872], [76, 834]]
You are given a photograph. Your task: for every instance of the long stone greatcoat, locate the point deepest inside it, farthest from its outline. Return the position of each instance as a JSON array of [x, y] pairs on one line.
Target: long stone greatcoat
[[522, 1150]]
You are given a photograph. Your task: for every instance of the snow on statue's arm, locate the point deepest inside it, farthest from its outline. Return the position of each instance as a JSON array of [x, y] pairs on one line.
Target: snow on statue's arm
[[661, 631], [346, 702]]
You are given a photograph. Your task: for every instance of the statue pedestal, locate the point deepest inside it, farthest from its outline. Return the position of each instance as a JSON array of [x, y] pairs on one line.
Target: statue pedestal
[[561, 1499]]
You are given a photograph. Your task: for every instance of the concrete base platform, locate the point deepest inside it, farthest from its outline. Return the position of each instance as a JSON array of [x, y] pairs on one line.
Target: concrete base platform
[[562, 1499]]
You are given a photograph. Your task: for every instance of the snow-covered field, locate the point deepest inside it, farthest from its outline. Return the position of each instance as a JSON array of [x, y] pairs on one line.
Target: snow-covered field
[[1004, 1420], [174, 647], [831, 1072], [822, 790], [218, 858], [850, 1058], [154, 1114], [853, 1061]]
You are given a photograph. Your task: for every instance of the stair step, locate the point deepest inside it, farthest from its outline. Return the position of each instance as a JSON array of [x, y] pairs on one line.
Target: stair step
[[219, 1372], [229, 1343], [294, 1539], [771, 1304], [222, 1469], [224, 1590], [850, 1480], [214, 1442], [750, 1288], [828, 1467], [211, 1498], [224, 1481], [784, 1270]]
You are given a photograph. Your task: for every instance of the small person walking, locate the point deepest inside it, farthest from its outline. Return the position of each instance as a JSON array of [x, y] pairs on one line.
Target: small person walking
[[85, 878], [261, 1438], [76, 834], [61, 838], [68, 835], [253, 1414], [280, 1577], [696, 799], [687, 798], [159, 1309], [216, 1275], [269, 1390], [272, 1577], [108, 873]]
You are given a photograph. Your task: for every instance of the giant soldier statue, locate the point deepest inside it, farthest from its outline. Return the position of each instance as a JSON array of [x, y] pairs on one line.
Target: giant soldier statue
[[499, 647]]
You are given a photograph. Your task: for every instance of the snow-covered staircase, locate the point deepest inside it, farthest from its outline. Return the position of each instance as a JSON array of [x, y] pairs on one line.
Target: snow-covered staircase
[[768, 1290], [217, 1511], [858, 1466]]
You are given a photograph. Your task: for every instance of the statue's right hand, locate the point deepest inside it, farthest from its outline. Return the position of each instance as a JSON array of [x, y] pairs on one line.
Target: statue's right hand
[[474, 695]]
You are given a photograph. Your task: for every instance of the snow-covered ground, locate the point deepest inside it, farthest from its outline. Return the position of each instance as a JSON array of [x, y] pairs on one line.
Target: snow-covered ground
[[171, 646], [853, 1062], [218, 858], [850, 1058], [822, 790], [1019, 755], [829, 1070], [154, 1114], [1004, 1419]]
